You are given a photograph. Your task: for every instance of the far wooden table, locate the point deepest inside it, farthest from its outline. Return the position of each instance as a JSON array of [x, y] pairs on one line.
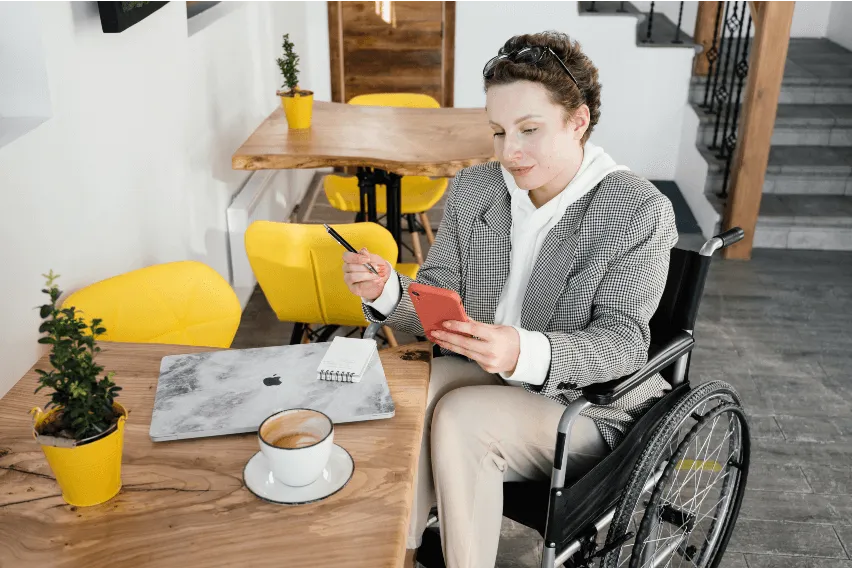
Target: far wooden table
[[184, 504], [385, 143]]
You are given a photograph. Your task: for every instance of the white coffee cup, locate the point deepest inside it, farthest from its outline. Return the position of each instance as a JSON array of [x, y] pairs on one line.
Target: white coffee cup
[[297, 444]]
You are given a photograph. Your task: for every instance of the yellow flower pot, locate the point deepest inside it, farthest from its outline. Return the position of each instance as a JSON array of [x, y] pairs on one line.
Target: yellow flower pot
[[88, 473], [298, 108]]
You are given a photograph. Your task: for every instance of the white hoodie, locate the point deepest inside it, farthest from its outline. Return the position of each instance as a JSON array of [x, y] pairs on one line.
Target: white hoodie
[[530, 226]]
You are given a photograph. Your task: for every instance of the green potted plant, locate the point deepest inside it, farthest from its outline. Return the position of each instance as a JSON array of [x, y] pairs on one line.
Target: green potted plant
[[298, 104], [82, 431]]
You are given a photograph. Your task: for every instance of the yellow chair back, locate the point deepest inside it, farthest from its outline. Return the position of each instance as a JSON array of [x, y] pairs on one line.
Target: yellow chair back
[[410, 100], [299, 269], [179, 303]]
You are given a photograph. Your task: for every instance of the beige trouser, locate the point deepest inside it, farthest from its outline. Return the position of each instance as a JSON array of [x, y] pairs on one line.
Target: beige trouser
[[475, 438]]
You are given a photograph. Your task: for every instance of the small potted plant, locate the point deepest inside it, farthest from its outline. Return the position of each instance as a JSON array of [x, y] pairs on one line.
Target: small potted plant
[[298, 104], [82, 431]]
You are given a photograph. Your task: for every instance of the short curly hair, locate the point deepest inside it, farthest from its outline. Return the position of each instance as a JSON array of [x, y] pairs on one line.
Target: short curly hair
[[550, 73]]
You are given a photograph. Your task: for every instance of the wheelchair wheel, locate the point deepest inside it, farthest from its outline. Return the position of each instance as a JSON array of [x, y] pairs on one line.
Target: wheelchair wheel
[[681, 503]]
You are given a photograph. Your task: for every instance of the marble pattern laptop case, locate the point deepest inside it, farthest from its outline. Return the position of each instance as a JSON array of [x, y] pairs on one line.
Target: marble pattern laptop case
[[233, 391]]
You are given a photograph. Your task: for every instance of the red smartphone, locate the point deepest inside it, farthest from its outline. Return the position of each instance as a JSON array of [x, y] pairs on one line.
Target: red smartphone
[[436, 305]]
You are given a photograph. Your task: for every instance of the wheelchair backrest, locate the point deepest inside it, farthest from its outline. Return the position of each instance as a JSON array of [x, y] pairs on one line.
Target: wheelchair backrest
[[678, 306]]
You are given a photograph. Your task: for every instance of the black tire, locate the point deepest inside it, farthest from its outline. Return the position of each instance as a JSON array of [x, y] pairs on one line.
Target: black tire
[[672, 431]]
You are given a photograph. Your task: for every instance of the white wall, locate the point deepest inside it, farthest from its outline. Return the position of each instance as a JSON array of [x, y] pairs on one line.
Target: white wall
[[24, 92], [644, 90], [23, 81], [316, 42], [810, 19], [691, 175], [133, 168], [840, 24]]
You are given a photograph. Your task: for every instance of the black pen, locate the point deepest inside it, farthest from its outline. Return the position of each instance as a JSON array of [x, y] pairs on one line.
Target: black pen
[[347, 246]]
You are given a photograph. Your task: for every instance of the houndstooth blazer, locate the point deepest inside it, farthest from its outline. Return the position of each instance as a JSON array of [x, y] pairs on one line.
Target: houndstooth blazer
[[596, 282]]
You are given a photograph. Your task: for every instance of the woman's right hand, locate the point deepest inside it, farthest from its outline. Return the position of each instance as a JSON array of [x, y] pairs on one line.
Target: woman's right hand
[[358, 277]]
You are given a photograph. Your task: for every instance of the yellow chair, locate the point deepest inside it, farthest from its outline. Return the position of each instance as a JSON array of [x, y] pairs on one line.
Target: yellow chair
[[179, 303], [299, 269], [419, 193]]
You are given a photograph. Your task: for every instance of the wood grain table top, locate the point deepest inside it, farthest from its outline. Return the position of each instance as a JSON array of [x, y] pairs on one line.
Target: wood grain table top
[[435, 142], [183, 503]]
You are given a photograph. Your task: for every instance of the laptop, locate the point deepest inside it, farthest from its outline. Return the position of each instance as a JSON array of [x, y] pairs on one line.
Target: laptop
[[233, 391]]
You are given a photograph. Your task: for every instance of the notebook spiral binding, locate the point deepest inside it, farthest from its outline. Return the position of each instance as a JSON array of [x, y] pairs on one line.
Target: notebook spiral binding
[[336, 376]]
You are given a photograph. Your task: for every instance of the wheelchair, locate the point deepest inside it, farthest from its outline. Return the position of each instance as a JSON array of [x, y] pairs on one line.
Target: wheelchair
[[669, 494]]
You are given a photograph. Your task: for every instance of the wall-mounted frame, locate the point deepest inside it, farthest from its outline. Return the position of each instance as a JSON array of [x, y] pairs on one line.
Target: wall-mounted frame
[[118, 16]]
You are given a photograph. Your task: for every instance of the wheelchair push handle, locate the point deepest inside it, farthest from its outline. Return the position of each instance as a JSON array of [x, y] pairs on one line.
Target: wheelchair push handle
[[731, 236], [722, 240]]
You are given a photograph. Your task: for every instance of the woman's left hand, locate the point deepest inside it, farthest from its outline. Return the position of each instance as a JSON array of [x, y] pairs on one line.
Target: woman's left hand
[[495, 348]]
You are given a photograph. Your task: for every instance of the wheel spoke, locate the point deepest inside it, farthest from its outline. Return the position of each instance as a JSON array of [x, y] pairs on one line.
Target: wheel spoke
[[692, 471], [705, 461], [715, 456]]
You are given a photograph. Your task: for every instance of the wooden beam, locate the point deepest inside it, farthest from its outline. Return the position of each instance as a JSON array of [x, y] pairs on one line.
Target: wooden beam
[[335, 50], [705, 27], [448, 53], [760, 104], [756, 9]]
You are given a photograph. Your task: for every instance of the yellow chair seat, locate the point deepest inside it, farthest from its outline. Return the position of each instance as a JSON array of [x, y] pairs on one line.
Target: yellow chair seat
[[408, 269], [419, 193], [410, 100], [178, 303]]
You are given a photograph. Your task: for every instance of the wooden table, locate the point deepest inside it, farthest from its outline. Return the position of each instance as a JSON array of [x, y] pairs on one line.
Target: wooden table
[[384, 143], [184, 504]]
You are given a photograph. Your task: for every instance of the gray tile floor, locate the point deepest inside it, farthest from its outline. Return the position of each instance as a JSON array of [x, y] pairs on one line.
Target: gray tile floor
[[779, 329]]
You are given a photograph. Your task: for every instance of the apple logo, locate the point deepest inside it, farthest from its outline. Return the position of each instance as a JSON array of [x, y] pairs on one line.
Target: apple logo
[[272, 381]]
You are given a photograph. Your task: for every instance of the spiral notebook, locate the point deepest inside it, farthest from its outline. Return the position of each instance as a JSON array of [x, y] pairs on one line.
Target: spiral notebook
[[346, 359]]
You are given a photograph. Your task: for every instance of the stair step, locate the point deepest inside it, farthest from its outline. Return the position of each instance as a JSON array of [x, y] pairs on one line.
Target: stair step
[[805, 222], [663, 29], [663, 33], [815, 222], [811, 92], [786, 184], [795, 125], [608, 9], [797, 160], [807, 210], [811, 170]]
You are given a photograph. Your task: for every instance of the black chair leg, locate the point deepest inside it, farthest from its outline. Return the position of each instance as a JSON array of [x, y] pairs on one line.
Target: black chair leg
[[327, 332], [298, 333], [430, 554]]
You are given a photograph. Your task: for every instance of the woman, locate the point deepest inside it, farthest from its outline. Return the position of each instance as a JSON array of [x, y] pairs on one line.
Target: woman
[[560, 256]]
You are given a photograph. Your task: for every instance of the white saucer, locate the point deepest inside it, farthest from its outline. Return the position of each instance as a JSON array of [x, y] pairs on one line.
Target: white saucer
[[337, 473]]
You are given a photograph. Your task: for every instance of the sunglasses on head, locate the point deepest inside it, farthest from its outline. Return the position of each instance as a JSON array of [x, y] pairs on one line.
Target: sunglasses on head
[[531, 55]]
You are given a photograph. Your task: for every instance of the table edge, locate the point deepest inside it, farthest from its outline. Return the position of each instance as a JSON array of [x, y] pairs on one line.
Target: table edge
[[447, 169]]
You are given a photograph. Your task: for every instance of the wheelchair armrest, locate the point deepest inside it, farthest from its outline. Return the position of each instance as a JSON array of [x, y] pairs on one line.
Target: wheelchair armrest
[[658, 359]]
